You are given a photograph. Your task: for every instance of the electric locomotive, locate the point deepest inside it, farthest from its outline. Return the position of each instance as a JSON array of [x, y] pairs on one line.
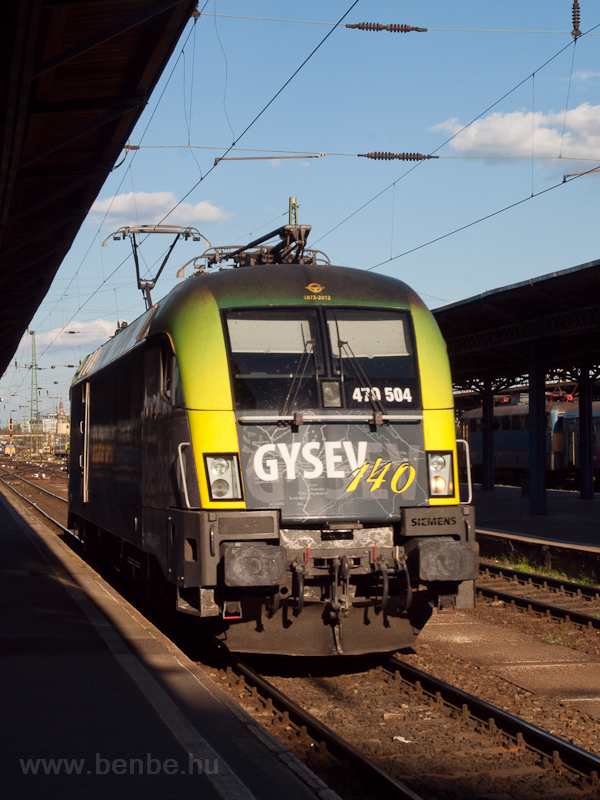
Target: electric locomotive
[[271, 448]]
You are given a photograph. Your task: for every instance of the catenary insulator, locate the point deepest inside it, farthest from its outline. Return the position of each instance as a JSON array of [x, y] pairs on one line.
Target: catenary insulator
[[375, 26], [396, 156], [575, 32]]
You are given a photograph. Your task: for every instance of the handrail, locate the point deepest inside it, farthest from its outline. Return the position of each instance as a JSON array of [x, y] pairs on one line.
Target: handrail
[[469, 481], [249, 420], [182, 471]]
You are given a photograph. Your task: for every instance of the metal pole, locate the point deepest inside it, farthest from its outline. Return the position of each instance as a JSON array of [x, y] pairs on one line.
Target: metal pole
[[537, 438], [586, 454], [487, 437], [293, 213], [35, 411]]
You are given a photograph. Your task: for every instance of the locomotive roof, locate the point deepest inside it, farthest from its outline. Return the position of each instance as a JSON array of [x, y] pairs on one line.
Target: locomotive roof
[[271, 285], [297, 284]]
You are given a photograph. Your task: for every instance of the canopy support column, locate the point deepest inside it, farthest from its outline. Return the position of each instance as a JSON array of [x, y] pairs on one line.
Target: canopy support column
[[537, 438], [586, 455], [487, 436]]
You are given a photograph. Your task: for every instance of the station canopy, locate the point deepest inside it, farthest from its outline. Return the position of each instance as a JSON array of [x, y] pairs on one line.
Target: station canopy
[[75, 76], [553, 320]]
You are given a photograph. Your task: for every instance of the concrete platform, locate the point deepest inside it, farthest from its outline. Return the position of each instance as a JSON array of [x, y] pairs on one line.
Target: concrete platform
[[552, 671], [97, 703], [569, 520]]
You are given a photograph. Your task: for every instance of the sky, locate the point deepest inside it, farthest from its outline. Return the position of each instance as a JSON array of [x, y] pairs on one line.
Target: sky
[[502, 94]]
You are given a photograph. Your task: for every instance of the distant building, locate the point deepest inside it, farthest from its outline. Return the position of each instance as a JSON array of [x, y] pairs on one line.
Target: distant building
[[62, 423]]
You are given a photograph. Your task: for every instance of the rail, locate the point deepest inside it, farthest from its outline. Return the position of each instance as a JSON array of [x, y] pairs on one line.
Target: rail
[[544, 581], [380, 780], [523, 733], [39, 509], [35, 486], [539, 607]]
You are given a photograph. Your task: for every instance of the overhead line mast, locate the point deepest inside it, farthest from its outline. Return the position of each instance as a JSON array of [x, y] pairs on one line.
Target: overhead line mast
[[35, 411]]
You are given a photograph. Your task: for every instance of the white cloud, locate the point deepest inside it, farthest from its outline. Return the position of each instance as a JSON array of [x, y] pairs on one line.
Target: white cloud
[[510, 134], [86, 334], [145, 208], [585, 75]]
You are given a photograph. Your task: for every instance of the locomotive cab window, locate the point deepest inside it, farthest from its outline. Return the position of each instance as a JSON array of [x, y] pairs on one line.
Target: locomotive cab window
[[294, 359], [171, 378], [373, 357], [273, 352]]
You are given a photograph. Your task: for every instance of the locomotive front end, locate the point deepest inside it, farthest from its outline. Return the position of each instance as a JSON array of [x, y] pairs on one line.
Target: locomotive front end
[[330, 519], [271, 449]]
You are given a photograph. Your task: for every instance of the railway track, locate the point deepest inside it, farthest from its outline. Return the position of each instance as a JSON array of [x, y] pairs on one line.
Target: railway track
[[557, 585], [453, 745], [523, 734], [535, 752], [577, 603], [58, 515], [291, 717]]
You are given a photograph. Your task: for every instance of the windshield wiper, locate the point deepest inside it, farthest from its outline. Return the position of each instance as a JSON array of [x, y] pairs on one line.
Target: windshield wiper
[[378, 408], [303, 361]]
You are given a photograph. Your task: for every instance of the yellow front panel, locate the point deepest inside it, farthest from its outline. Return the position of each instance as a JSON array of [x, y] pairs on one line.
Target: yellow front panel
[[434, 368], [213, 432], [197, 334], [439, 434]]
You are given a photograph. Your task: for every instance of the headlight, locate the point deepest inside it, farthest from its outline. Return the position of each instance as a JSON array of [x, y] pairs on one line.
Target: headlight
[[219, 466], [223, 476], [437, 463], [441, 474], [220, 488]]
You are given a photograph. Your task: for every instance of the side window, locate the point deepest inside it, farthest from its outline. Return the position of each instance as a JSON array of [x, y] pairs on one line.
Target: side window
[[172, 389], [505, 423], [167, 375]]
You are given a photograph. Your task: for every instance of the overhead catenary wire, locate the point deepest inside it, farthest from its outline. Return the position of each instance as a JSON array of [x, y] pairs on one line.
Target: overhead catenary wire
[[202, 178], [454, 136], [265, 107], [276, 154], [482, 219], [438, 30]]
